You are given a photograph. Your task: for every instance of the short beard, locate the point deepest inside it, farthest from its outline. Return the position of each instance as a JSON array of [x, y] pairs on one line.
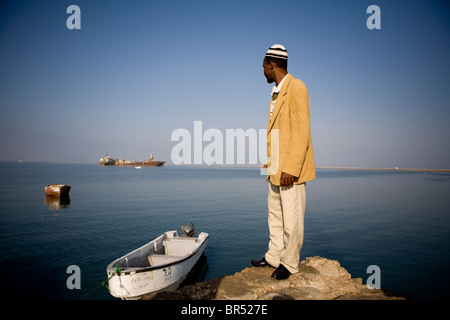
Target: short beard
[[270, 80]]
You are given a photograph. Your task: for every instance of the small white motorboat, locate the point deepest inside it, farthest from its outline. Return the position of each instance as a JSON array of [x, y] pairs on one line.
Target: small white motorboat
[[163, 263]]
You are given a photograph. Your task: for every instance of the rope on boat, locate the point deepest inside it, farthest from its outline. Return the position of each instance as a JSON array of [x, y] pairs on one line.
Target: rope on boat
[[104, 283], [117, 271]]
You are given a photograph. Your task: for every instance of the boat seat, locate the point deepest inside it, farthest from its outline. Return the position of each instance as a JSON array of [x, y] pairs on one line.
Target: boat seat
[[179, 248], [160, 259], [175, 239]]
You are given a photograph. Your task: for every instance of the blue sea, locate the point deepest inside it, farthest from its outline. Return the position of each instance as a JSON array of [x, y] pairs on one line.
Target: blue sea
[[399, 221]]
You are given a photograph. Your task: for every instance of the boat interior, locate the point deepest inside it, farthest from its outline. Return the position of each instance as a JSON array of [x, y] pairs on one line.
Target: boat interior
[[165, 249]]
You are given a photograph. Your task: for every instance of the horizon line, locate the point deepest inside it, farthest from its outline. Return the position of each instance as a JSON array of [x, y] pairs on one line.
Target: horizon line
[[254, 166]]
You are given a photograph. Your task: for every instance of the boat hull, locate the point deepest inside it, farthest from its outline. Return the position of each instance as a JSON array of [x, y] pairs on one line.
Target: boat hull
[[133, 283], [57, 190]]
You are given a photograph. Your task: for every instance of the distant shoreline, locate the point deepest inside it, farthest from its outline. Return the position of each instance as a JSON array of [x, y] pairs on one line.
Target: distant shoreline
[[385, 169], [326, 168], [246, 166]]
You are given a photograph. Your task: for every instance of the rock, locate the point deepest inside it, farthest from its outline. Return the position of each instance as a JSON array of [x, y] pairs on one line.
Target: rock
[[318, 279]]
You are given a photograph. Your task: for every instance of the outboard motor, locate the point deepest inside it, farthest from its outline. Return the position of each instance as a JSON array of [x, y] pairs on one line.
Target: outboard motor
[[188, 229]]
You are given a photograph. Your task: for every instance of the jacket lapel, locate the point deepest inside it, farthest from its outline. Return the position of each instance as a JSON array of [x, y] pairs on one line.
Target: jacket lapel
[[279, 103]]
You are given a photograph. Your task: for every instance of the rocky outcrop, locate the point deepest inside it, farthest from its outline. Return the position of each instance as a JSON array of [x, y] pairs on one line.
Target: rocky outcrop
[[318, 279]]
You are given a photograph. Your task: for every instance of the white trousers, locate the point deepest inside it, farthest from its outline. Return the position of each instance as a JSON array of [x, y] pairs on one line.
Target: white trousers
[[286, 207]]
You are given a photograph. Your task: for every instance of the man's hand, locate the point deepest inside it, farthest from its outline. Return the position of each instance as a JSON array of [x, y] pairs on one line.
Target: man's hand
[[286, 179]]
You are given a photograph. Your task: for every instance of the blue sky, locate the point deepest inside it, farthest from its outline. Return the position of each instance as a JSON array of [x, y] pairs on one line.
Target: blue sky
[[138, 70]]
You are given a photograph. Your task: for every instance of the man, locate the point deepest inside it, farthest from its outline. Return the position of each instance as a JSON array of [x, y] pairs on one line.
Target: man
[[289, 168]]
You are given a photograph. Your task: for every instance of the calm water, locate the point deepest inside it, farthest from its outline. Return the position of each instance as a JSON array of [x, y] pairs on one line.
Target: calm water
[[397, 220]]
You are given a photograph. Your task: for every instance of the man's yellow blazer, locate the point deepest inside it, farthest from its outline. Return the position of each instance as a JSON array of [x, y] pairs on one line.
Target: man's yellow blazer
[[291, 116]]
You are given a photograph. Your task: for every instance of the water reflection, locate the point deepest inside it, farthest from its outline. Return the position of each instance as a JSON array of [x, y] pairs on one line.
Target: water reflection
[[55, 204]]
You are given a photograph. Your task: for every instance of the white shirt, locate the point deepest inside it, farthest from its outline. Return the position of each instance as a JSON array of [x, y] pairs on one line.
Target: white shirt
[[276, 89]]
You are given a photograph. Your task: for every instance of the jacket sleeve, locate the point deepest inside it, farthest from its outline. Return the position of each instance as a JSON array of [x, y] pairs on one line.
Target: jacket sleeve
[[300, 131]]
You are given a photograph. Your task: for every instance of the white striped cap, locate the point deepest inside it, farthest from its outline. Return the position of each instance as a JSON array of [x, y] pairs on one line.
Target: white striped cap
[[277, 51]]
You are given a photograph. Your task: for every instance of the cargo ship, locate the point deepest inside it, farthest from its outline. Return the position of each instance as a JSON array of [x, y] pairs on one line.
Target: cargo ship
[[149, 162]]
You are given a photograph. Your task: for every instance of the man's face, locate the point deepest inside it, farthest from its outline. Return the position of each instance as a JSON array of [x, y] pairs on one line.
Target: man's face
[[268, 71]]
